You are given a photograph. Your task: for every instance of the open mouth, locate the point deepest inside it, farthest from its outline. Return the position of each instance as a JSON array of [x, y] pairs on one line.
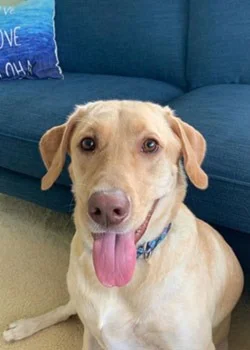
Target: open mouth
[[141, 230], [114, 255]]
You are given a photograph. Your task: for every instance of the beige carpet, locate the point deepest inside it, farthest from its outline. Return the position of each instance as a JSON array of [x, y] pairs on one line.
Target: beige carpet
[[33, 263]]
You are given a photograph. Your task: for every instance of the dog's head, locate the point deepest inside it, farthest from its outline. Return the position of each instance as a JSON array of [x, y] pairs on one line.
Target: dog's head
[[125, 162]]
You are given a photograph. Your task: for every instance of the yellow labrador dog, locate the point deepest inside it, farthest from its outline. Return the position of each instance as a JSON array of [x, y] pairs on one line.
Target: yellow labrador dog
[[144, 272]]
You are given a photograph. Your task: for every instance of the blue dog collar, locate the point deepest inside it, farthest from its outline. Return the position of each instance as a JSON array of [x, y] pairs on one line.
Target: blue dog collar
[[145, 250]]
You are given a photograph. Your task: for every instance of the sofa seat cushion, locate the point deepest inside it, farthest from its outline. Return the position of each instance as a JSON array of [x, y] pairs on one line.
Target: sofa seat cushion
[[29, 108], [222, 114], [26, 187]]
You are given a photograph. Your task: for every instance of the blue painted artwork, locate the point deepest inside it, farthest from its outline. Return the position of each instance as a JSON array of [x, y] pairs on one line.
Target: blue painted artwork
[[27, 40]]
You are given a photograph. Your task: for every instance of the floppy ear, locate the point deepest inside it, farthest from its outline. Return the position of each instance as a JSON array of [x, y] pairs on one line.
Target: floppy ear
[[193, 149], [53, 148]]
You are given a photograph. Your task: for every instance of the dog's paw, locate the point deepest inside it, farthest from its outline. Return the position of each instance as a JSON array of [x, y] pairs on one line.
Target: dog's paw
[[17, 331]]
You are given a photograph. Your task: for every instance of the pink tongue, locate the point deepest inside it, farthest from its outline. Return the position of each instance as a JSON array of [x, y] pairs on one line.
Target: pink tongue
[[114, 258]]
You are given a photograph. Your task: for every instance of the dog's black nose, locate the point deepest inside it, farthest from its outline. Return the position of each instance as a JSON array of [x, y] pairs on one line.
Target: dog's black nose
[[109, 208]]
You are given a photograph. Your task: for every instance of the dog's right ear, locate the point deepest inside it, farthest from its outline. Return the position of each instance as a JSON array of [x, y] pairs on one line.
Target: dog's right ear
[[53, 147]]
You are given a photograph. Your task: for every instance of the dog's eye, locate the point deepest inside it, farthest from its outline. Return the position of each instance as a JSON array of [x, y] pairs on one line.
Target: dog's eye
[[88, 144], [150, 146]]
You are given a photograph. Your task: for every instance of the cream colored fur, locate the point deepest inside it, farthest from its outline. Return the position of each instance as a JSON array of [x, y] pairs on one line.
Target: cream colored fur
[[182, 297]]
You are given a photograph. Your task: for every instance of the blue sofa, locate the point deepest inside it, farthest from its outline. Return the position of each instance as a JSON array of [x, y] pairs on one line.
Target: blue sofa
[[190, 54]]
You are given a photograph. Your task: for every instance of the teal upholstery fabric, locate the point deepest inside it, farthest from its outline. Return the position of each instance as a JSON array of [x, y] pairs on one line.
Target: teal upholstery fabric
[[218, 43], [39, 105], [222, 114], [26, 187], [142, 38]]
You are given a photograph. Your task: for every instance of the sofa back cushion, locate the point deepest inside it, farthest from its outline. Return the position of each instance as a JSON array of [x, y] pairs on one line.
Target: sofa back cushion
[[132, 37], [219, 42]]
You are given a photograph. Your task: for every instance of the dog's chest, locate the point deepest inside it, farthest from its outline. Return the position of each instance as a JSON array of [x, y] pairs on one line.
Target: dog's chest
[[120, 320], [107, 316], [116, 324]]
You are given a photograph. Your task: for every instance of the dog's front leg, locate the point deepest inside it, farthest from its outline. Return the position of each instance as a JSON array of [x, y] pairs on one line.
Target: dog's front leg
[[25, 328], [89, 341]]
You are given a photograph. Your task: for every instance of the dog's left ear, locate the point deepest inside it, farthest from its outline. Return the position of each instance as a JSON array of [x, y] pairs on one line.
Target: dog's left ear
[[193, 149]]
